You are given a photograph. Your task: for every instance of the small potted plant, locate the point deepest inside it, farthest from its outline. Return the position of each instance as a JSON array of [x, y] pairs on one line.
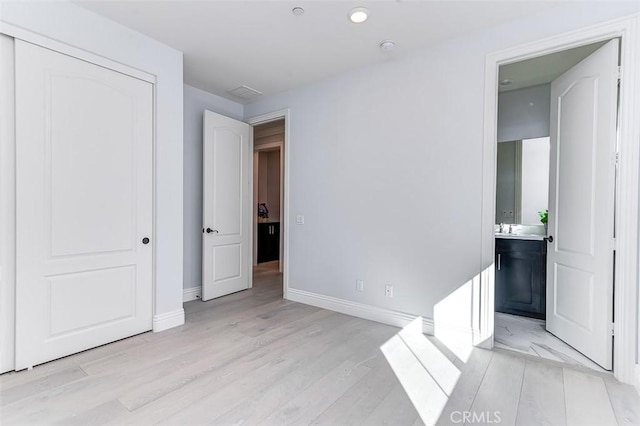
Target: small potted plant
[[544, 217]]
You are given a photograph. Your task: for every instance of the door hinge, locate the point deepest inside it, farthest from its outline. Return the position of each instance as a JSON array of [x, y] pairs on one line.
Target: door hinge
[[619, 73], [613, 329]]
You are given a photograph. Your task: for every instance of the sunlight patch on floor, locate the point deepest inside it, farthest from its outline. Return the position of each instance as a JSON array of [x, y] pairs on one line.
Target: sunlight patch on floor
[[426, 374]]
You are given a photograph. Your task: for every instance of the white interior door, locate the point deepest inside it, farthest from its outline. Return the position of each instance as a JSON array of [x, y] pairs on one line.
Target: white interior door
[[226, 236], [581, 205], [83, 203]]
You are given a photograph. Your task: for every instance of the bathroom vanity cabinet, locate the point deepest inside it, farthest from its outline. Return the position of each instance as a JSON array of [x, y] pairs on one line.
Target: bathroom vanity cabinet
[[520, 278], [268, 241]]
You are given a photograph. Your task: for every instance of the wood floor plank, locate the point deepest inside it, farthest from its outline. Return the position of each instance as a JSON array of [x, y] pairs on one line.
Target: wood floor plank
[[18, 378], [187, 369], [466, 389], [103, 414], [419, 376], [276, 318], [499, 392], [257, 370], [355, 344], [587, 401], [308, 404], [358, 403], [395, 409], [542, 396], [625, 402], [40, 384]]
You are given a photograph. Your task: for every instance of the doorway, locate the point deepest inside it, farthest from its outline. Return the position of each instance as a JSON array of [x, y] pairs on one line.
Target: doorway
[[626, 202], [268, 146], [270, 195], [553, 298]]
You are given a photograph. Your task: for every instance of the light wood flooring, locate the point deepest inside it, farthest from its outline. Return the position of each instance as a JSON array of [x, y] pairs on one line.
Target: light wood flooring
[[253, 358]]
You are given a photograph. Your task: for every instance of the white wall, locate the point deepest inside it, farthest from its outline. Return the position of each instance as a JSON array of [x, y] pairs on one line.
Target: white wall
[[195, 102], [524, 113], [75, 26], [386, 166]]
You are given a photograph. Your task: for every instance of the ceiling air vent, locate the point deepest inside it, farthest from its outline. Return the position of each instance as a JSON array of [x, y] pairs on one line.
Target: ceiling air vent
[[245, 92]]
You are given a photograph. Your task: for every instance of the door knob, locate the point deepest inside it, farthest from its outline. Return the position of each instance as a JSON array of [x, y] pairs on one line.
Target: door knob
[[209, 231], [145, 240], [549, 239]]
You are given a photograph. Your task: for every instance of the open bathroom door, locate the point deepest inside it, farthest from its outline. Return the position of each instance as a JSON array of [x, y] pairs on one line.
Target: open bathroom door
[[581, 205]]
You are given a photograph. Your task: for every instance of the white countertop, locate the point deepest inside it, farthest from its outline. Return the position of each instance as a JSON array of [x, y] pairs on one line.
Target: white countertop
[[520, 237], [269, 220]]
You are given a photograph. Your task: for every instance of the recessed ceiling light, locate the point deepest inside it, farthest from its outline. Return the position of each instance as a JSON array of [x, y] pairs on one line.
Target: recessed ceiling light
[[387, 45], [505, 82], [358, 15], [298, 11]]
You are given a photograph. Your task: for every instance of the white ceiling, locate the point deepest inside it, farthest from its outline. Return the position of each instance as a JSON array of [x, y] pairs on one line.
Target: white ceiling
[[543, 69], [261, 44]]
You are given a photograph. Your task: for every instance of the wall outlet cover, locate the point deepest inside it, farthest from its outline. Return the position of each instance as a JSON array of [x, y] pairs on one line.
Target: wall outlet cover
[[388, 290]]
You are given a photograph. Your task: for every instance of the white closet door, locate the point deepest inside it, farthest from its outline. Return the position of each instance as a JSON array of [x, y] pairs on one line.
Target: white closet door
[[83, 205]]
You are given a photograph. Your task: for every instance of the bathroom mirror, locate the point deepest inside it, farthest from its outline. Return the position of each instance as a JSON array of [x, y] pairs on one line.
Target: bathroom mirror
[[522, 182]]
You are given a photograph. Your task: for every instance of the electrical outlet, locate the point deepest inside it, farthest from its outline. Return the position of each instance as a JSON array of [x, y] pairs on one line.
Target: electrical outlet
[[359, 285], [299, 220], [388, 290]]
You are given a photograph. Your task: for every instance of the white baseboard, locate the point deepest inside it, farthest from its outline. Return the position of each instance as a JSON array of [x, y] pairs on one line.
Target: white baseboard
[[636, 381], [385, 316], [191, 293], [168, 320]]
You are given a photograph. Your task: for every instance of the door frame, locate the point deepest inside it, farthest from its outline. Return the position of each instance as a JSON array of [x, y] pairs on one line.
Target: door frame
[[626, 216], [285, 149], [8, 185]]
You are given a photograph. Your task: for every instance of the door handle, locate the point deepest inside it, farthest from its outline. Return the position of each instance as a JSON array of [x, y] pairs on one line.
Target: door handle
[[209, 231], [145, 240], [498, 261], [549, 239]]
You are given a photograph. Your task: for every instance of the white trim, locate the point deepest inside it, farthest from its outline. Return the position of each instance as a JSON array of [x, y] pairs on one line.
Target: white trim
[[385, 316], [192, 293], [252, 207], [636, 381], [40, 40], [255, 167], [284, 210], [168, 320], [627, 203], [7, 206]]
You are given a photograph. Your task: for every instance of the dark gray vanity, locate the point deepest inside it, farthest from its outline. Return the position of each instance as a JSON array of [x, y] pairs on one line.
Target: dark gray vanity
[[520, 279]]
